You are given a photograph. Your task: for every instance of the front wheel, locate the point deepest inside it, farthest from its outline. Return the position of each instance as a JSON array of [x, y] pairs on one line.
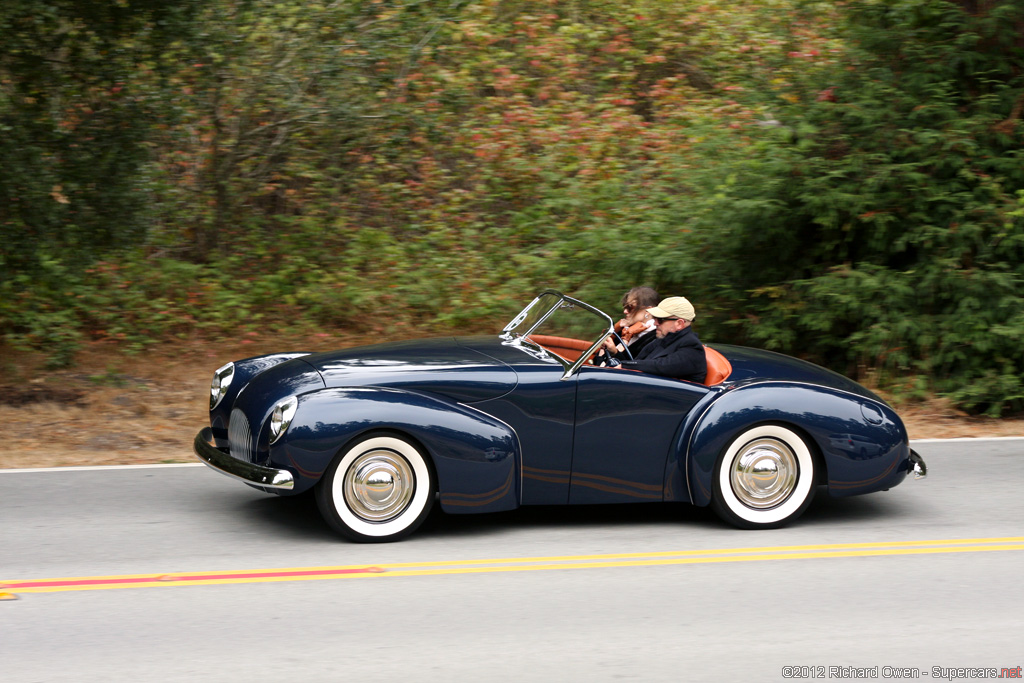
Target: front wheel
[[764, 479], [380, 489]]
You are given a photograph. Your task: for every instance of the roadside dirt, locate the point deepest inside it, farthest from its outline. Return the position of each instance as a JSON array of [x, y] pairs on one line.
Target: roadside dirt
[[119, 409]]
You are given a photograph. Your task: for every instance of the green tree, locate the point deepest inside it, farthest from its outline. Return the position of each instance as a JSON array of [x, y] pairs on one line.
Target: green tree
[[79, 85], [881, 227]]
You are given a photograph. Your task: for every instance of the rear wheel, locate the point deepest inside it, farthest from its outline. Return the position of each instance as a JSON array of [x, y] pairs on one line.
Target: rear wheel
[[764, 479], [379, 489]]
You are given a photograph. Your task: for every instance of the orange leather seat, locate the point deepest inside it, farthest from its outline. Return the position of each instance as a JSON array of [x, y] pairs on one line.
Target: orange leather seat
[[719, 367]]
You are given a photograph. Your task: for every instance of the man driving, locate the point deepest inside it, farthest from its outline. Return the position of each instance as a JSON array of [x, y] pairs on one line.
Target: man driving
[[677, 352]]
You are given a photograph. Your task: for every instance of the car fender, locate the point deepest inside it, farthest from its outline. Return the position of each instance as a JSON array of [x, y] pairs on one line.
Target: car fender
[[475, 456], [817, 413], [245, 371]]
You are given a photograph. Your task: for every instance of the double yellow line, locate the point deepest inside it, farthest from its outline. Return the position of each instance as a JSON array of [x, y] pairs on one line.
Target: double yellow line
[[11, 588]]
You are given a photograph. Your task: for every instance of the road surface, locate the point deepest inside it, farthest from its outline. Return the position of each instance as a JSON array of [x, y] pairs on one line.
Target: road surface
[[178, 573]]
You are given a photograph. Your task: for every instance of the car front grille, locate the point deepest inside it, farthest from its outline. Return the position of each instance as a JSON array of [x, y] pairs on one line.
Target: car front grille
[[239, 437]]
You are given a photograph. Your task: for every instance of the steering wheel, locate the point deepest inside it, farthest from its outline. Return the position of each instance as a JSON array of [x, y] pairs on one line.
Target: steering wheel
[[614, 362], [625, 346]]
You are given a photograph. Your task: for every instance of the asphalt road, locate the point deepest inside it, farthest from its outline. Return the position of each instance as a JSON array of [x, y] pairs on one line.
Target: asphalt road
[[926, 575]]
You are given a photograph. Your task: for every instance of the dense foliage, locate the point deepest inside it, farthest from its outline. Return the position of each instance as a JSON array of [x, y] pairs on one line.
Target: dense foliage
[[841, 181], [891, 235]]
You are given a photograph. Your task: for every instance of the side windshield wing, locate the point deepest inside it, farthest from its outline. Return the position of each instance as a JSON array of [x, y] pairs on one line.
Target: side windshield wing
[[531, 316]]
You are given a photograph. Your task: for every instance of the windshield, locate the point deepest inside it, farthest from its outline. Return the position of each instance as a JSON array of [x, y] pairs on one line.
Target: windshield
[[567, 329], [570, 319]]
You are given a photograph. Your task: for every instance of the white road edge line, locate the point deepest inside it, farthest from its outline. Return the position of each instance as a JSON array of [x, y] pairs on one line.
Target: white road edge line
[[968, 439], [92, 468]]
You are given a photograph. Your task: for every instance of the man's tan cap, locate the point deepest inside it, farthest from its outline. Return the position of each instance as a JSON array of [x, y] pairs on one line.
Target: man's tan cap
[[674, 307]]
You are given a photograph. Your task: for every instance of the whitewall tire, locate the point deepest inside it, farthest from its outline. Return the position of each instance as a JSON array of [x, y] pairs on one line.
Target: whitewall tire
[[764, 479], [379, 489]]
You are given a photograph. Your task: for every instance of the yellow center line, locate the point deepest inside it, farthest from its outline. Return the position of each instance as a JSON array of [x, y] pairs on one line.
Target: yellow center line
[[517, 564]]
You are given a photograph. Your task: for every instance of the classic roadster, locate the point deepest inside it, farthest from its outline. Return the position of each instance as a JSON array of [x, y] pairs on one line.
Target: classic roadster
[[489, 423]]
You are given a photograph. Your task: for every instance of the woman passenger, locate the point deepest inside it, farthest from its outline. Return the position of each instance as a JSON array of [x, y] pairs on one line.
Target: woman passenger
[[636, 329]]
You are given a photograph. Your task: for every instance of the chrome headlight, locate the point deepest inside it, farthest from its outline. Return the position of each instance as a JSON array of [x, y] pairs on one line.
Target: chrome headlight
[[282, 416], [221, 382]]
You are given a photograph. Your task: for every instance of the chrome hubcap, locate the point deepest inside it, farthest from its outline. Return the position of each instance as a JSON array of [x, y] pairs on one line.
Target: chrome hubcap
[[764, 473], [379, 485]]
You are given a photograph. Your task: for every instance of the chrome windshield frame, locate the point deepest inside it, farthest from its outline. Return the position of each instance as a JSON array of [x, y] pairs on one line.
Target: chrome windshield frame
[[520, 338]]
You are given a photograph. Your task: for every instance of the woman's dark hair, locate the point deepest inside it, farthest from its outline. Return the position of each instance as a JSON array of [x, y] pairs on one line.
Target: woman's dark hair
[[645, 297]]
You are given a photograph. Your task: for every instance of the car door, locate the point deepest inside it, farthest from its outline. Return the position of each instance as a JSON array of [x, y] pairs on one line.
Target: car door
[[541, 410], [626, 424]]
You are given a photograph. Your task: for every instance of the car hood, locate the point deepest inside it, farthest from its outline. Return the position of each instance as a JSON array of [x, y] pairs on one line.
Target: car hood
[[438, 366], [754, 365]]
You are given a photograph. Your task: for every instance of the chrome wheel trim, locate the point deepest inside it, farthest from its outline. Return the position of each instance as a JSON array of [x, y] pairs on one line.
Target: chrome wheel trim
[[799, 491], [399, 520], [378, 485], [764, 473]]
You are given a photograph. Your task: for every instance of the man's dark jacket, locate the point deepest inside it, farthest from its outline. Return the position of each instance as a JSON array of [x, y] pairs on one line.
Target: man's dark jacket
[[679, 354]]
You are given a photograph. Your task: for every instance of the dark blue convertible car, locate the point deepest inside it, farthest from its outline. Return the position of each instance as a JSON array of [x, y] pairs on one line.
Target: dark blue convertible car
[[489, 423]]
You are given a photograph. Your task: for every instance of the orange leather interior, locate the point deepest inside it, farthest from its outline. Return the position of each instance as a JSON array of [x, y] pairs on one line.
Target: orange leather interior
[[566, 347], [719, 367]]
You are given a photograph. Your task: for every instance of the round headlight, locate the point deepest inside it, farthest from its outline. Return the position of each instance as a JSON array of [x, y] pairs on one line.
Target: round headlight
[[221, 382], [282, 416]]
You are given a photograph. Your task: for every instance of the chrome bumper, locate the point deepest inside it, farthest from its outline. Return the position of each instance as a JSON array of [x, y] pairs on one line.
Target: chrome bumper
[[917, 465], [267, 477]]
